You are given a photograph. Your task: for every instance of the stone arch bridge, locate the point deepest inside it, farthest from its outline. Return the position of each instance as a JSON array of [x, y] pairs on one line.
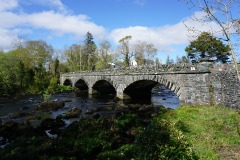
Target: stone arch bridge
[[202, 83]]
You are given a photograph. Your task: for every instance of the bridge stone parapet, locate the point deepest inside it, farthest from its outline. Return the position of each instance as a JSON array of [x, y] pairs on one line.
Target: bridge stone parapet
[[201, 83], [225, 85]]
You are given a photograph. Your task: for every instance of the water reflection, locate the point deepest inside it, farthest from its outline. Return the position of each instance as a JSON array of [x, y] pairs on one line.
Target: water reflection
[[163, 96], [160, 96]]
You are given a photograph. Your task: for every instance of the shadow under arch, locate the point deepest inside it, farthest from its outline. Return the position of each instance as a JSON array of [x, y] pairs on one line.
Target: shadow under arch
[[67, 82], [104, 87], [140, 89], [81, 85]]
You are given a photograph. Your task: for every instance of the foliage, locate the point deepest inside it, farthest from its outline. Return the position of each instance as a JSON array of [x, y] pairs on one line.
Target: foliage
[[89, 52], [207, 46], [126, 136], [53, 86], [200, 132], [224, 16], [46, 96]]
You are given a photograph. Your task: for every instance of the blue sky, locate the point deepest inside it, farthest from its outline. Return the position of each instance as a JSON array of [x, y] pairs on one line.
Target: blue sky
[[64, 22]]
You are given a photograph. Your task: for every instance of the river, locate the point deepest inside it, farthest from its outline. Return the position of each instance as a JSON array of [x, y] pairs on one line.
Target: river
[[163, 96], [25, 106]]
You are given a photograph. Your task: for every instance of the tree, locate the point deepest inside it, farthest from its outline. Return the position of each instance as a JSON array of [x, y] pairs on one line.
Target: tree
[[74, 57], [208, 46], [158, 62], [182, 59], [144, 52], [89, 51], [169, 61], [124, 49], [225, 14], [104, 57], [33, 58], [139, 50], [151, 51]]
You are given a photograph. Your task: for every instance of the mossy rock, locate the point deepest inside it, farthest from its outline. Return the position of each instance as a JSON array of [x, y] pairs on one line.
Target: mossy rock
[[48, 106]]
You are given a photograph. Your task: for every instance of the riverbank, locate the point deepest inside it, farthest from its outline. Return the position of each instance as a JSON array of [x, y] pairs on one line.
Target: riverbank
[[204, 132], [213, 131]]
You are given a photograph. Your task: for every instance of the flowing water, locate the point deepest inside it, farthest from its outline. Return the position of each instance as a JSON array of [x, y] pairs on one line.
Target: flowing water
[[27, 104], [163, 96]]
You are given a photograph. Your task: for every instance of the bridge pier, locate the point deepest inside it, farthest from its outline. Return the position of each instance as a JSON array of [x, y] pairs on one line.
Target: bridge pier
[[90, 91], [120, 95]]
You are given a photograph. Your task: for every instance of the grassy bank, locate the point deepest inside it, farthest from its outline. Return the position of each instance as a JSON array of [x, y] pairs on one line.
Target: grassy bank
[[213, 131], [203, 132]]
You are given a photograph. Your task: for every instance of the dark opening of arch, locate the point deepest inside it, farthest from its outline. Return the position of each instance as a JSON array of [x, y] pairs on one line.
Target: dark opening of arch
[[81, 85], [104, 87], [67, 82], [140, 89]]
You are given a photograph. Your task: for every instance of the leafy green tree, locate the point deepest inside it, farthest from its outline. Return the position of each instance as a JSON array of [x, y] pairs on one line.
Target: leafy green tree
[[208, 46], [34, 58], [9, 74]]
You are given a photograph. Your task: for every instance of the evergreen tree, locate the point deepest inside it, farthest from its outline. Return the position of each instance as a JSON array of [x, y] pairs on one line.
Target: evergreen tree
[[208, 46], [89, 51]]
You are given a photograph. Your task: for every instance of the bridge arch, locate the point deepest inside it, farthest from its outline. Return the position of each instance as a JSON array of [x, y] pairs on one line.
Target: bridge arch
[[81, 84], [104, 86], [68, 82], [148, 82]]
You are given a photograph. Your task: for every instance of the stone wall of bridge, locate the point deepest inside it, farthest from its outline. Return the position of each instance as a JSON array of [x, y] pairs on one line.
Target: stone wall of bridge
[[203, 83], [188, 82], [225, 85]]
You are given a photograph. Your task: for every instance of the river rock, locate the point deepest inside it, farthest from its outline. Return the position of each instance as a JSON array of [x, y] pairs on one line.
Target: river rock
[[11, 130], [48, 106], [96, 116], [91, 111], [121, 107], [18, 115], [71, 113], [134, 107], [49, 124]]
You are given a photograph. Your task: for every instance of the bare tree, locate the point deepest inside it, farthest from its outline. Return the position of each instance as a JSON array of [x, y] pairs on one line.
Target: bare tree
[[151, 51], [104, 57], [144, 51], [139, 50], [225, 14]]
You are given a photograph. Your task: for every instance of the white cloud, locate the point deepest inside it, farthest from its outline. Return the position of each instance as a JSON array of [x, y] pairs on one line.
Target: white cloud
[[8, 4], [62, 23], [164, 37], [58, 23], [7, 38], [55, 22], [53, 4]]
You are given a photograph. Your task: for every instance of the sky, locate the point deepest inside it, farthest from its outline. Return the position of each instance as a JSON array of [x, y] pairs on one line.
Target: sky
[[64, 22]]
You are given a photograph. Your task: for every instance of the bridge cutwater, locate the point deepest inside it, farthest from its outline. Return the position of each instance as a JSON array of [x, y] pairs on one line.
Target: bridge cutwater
[[201, 83]]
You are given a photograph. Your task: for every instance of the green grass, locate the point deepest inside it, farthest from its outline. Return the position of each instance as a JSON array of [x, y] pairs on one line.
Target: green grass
[[213, 131], [186, 133]]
